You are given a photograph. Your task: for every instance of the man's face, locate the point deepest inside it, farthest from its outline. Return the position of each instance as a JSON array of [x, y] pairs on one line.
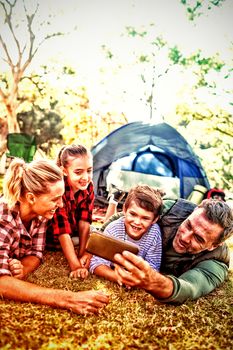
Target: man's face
[[80, 172], [196, 234], [137, 221]]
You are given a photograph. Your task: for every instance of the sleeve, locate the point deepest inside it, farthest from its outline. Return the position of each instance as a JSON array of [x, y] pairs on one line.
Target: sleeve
[[197, 282], [38, 241], [154, 253], [5, 243], [86, 205], [97, 261]]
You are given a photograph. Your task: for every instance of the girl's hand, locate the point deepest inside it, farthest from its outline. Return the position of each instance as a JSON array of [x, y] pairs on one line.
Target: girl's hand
[[81, 272], [85, 260]]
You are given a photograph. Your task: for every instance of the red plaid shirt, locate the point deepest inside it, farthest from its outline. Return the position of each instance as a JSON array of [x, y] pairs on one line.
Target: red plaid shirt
[[15, 241], [76, 207]]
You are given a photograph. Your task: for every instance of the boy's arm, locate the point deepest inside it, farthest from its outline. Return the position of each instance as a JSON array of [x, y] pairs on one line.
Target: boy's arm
[[106, 272]]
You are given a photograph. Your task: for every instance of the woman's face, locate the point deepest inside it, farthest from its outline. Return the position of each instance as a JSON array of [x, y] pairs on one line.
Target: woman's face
[[46, 204], [79, 172]]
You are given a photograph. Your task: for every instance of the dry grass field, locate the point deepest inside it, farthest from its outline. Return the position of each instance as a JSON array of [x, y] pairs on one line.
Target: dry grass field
[[132, 320]]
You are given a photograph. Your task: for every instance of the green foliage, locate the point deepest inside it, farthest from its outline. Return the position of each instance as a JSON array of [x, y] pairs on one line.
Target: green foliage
[[46, 125], [196, 8]]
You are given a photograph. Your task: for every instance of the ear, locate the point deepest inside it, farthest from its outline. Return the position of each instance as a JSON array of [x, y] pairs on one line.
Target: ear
[[30, 198], [155, 219], [63, 170], [214, 246]]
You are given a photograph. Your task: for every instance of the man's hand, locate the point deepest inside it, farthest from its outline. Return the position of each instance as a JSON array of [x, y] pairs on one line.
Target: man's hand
[[16, 268], [136, 272], [80, 272]]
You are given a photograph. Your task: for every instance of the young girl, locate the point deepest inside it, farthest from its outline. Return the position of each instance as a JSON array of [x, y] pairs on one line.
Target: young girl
[[32, 193], [74, 219]]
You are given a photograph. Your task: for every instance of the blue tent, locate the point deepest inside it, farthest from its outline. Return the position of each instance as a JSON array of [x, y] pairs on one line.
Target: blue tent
[[155, 154]]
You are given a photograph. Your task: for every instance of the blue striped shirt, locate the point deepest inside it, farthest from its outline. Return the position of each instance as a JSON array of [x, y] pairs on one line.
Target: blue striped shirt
[[150, 244]]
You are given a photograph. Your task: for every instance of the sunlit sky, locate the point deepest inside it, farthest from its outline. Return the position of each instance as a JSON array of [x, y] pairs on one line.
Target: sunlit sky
[[103, 22]]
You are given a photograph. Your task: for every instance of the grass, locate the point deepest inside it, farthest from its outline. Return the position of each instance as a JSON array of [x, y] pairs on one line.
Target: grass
[[132, 320]]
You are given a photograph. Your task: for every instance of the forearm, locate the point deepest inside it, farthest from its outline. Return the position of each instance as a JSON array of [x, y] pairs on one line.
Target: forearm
[[159, 286], [197, 282], [84, 302], [30, 264], [106, 272], [18, 290], [84, 231], [69, 251]]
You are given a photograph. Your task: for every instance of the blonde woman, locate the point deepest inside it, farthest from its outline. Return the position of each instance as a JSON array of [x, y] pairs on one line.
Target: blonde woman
[[31, 194]]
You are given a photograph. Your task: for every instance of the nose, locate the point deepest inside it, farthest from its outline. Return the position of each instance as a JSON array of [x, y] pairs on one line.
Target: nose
[[186, 237], [60, 203], [137, 220], [85, 175]]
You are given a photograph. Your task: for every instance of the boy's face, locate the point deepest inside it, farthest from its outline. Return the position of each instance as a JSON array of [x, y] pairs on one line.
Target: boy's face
[[137, 221], [80, 172]]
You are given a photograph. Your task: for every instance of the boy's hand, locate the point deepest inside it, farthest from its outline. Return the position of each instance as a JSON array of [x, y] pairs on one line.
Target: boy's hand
[[85, 260], [16, 268], [80, 272]]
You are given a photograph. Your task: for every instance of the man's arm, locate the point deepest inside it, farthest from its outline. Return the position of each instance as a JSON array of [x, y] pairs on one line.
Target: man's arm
[[137, 272], [199, 281], [81, 302]]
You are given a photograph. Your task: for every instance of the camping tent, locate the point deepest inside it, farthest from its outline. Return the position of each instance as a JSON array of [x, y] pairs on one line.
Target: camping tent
[[153, 154]]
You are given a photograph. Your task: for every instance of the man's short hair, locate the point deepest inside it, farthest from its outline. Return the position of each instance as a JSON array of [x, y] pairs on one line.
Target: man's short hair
[[220, 213]]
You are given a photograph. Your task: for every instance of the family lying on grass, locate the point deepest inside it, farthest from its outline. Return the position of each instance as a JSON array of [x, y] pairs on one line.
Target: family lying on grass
[[182, 254]]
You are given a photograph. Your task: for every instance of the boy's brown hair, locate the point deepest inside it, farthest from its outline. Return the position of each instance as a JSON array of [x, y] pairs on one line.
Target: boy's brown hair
[[145, 197]]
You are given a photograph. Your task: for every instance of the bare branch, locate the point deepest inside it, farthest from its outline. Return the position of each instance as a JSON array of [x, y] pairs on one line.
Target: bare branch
[[9, 61], [8, 20]]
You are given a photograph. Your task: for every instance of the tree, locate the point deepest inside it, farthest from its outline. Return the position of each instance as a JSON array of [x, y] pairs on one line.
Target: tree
[[194, 8], [25, 52]]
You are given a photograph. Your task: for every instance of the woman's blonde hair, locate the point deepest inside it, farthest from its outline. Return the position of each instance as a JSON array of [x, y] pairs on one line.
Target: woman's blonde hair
[[34, 177]]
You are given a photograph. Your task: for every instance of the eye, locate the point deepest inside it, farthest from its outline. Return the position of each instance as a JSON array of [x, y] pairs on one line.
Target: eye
[[198, 239]]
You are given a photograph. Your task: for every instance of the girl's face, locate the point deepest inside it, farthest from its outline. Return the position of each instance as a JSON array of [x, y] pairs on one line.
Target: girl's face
[[79, 172]]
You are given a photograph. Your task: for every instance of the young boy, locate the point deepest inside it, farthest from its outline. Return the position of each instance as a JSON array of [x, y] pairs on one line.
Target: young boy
[[141, 212]]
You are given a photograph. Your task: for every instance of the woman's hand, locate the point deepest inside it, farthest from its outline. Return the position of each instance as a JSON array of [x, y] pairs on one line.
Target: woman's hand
[[16, 268]]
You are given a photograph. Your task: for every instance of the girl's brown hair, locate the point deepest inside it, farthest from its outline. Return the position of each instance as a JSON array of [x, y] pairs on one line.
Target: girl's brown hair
[[71, 151]]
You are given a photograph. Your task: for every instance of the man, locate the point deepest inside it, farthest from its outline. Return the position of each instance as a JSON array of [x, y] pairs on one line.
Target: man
[[195, 257]]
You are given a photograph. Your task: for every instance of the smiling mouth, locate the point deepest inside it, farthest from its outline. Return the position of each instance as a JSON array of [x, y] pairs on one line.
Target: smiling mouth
[[136, 228]]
